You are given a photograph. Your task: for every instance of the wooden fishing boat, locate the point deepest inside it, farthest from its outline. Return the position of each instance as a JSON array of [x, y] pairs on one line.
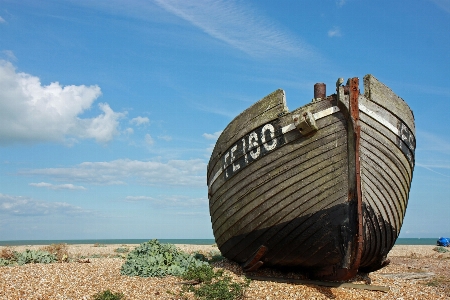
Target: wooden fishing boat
[[323, 188]]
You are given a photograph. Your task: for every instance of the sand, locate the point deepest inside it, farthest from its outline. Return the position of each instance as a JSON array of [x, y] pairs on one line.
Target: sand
[[415, 272]]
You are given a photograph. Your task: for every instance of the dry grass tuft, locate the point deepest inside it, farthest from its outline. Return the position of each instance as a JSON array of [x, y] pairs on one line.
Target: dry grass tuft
[[7, 253], [61, 251]]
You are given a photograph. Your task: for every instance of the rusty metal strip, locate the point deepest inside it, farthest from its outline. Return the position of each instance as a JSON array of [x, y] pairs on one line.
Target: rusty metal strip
[[254, 262], [354, 111]]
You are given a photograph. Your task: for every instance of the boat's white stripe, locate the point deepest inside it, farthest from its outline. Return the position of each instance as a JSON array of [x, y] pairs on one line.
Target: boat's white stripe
[[379, 118], [326, 112], [214, 178], [287, 128]]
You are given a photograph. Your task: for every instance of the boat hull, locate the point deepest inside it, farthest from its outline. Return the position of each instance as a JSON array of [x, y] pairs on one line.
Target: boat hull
[[302, 190]]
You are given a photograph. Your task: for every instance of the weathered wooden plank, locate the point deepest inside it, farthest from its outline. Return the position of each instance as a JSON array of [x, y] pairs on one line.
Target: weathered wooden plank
[[372, 238], [299, 237], [278, 171], [329, 131], [390, 149], [374, 163], [302, 165], [387, 161], [314, 180], [372, 200], [385, 97], [373, 158], [390, 125], [388, 196], [303, 202]]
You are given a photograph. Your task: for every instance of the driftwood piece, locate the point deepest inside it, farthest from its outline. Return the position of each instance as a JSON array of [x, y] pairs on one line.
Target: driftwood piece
[[323, 283], [410, 276]]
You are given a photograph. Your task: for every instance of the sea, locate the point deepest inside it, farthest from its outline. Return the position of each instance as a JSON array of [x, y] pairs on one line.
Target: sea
[[400, 241]]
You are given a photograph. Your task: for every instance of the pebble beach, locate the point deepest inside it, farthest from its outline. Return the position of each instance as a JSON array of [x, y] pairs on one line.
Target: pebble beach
[[415, 272]]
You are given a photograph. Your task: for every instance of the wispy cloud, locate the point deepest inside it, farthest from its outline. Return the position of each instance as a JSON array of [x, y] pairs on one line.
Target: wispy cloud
[[238, 25], [116, 172], [128, 131], [212, 136], [192, 214], [139, 121], [33, 113], [433, 153], [166, 138], [335, 32], [24, 206], [170, 201], [2, 20], [9, 55], [432, 142], [149, 140], [443, 4], [340, 3], [67, 186], [423, 88], [216, 110], [431, 167]]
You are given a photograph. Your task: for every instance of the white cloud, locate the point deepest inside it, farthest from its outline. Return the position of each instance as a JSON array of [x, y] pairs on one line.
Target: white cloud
[[129, 131], [102, 128], [67, 186], [236, 24], [170, 201], [9, 54], [335, 32], [24, 206], [172, 173], [139, 121], [2, 20], [166, 138], [31, 112], [149, 140], [212, 136]]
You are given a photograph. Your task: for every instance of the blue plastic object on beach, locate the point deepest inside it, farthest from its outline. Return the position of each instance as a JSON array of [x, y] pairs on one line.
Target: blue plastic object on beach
[[443, 242]]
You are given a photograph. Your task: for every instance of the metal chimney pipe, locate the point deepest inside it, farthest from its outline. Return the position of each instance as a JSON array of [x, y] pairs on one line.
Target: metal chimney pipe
[[320, 90]]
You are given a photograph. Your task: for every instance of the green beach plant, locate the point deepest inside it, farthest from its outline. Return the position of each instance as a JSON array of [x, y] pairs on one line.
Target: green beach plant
[[213, 285], [4, 262], [441, 249], [153, 259], [121, 250], [35, 256], [215, 256], [108, 295]]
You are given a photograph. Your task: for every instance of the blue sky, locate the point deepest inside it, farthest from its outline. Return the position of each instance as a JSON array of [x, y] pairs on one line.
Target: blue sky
[[109, 109]]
